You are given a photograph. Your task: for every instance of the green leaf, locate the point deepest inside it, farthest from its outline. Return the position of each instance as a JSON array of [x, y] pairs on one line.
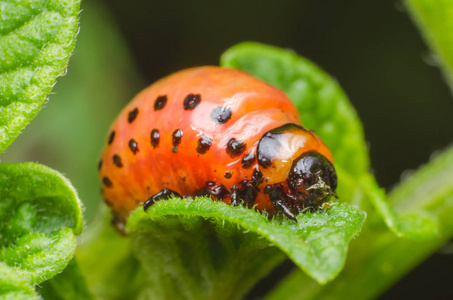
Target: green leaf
[[379, 258], [435, 20], [40, 215], [36, 40], [13, 286], [201, 248], [68, 285]]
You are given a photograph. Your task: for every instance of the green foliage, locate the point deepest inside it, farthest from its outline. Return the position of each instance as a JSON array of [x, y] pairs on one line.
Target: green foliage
[[40, 215], [13, 286], [68, 285], [36, 40], [435, 19], [107, 262]]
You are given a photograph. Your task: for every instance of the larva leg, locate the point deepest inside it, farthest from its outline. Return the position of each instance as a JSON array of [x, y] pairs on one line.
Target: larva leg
[[234, 195], [248, 194], [164, 194], [278, 201]]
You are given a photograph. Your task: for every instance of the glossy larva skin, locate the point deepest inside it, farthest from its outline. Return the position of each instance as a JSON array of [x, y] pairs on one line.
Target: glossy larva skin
[[208, 119]]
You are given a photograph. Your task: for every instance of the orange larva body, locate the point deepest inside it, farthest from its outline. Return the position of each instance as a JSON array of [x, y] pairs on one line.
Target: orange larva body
[[195, 130]]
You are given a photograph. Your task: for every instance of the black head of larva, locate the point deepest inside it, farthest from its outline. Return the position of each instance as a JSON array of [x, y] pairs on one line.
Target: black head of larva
[[314, 175], [132, 115], [221, 114], [191, 101], [160, 102], [235, 147]]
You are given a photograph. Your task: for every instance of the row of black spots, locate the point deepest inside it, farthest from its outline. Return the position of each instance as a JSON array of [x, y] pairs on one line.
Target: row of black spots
[[133, 145], [204, 144], [248, 160], [117, 161], [111, 137], [221, 114], [235, 147], [106, 181], [155, 137], [191, 101], [176, 139], [132, 115], [160, 102]]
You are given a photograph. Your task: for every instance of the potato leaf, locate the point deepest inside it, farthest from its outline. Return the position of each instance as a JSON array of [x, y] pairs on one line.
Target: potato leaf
[[40, 215], [36, 40]]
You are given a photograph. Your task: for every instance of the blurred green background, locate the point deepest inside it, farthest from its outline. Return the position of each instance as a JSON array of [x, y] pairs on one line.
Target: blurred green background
[[371, 47]]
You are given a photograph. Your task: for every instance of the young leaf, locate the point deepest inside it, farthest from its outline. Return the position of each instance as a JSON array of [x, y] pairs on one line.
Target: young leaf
[[416, 224], [68, 285], [201, 248], [40, 215], [435, 20], [36, 40], [13, 286]]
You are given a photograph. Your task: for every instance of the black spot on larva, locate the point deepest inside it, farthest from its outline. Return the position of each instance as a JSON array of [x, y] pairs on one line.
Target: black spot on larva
[[221, 114], [111, 137], [248, 160], [155, 137], [160, 102], [133, 146], [132, 115], [117, 161], [257, 177], [106, 181], [109, 204], [204, 143], [100, 165], [227, 175], [177, 136], [191, 101], [235, 147], [210, 183]]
